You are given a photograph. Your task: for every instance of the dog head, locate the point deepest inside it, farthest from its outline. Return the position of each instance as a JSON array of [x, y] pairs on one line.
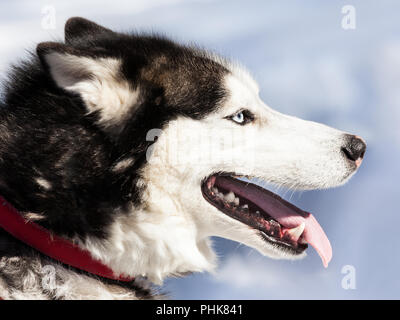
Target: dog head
[[189, 129]]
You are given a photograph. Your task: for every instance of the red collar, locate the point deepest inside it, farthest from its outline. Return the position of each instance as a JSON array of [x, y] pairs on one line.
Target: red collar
[[51, 245]]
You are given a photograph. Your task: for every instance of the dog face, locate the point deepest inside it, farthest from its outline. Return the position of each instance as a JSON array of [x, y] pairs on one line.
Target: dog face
[[160, 139], [245, 138]]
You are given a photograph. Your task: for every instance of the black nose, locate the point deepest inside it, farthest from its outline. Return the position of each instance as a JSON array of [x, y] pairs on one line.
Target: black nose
[[354, 148]]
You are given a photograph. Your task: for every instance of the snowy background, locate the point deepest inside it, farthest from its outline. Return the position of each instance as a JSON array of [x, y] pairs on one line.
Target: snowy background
[[307, 65]]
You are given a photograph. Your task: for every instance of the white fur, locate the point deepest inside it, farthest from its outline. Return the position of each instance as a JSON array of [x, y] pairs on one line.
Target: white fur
[[99, 83], [45, 184], [155, 244], [33, 216], [123, 164], [170, 234], [58, 281]]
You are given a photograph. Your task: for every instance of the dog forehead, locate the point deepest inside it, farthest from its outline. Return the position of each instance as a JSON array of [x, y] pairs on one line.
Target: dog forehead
[[244, 77], [242, 90]]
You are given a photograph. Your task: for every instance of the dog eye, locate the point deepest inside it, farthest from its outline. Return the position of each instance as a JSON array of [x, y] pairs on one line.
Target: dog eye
[[242, 117]]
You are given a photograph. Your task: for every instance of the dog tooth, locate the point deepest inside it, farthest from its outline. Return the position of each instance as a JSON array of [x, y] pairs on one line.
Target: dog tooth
[[245, 206], [230, 197], [295, 233], [236, 201]]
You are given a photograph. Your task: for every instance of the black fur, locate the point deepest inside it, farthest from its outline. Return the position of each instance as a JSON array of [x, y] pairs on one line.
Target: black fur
[[46, 132]]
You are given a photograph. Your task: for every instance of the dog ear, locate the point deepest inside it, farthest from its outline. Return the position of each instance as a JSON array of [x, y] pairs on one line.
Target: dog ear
[[98, 80], [77, 27]]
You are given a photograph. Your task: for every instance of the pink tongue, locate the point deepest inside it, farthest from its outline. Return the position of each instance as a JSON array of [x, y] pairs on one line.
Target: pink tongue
[[282, 211], [315, 235]]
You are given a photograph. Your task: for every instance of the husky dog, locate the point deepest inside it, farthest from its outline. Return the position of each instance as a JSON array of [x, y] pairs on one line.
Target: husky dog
[[137, 150]]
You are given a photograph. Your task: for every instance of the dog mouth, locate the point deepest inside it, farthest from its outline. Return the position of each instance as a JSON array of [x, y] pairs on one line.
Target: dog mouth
[[280, 223]]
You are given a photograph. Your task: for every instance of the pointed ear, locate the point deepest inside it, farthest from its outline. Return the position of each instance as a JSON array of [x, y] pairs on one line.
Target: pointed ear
[[67, 65], [77, 27], [98, 80]]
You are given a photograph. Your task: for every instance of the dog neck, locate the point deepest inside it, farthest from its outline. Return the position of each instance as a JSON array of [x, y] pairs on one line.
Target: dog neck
[[153, 242], [141, 243]]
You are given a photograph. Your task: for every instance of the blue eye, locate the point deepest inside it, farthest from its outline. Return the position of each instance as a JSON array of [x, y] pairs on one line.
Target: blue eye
[[239, 117], [242, 117]]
